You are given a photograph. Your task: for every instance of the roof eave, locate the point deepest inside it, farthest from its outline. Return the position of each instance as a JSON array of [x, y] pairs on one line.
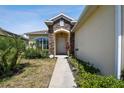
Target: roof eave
[[8, 32], [73, 22], [48, 22], [61, 14]]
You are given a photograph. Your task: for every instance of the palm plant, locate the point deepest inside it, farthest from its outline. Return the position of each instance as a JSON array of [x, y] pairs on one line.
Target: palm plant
[[10, 50]]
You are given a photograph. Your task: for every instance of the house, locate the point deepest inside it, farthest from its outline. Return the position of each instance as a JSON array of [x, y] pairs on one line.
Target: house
[[57, 36], [41, 37], [97, 37], [6, 33]]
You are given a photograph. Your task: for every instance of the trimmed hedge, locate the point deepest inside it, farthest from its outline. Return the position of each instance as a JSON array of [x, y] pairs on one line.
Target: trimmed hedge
[[87, 76]]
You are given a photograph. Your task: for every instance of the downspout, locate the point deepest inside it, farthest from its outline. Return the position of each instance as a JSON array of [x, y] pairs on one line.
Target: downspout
[[118, 40]]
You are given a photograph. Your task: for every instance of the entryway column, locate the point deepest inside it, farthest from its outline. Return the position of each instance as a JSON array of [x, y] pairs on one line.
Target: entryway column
[[51, 43]]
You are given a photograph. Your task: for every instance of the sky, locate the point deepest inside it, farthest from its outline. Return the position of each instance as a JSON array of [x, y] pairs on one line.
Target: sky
[[20, 19]]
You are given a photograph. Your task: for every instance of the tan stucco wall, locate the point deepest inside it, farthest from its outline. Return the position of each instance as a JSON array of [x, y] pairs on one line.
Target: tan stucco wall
[[122, 37], [95, 39]]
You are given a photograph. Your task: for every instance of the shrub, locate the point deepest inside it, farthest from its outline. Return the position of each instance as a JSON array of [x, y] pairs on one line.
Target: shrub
[[88, 80], [14, 42], [88, 67], [83, 66], [32, 53], [122, 74], [45, 53], [87, 76], [9, 53], [74, 63]]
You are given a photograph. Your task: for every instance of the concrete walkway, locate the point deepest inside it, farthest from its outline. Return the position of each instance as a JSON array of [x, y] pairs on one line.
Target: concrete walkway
[[62, 76]]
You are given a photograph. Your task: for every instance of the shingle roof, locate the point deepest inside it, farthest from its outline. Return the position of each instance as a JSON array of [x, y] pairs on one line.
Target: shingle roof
[[38, 32], [7, 33], [4, 32]]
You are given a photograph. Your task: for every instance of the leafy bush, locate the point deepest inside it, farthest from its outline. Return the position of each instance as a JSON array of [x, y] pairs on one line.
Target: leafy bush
[[88, 80], [83, 66], [122, 74], [45, 53], [10, 50], [32, 53], [87, 76], [14, 42], [88, 67], [74, 62]]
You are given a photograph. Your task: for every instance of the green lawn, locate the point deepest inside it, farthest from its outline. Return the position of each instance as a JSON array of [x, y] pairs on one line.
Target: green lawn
[[36, 74]]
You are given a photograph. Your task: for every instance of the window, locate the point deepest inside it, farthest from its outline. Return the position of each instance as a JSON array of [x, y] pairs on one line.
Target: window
[[61, 23], [45, 43], [42, 42]]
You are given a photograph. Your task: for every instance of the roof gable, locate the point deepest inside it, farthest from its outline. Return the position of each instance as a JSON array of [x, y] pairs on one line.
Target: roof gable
[[61, 15]]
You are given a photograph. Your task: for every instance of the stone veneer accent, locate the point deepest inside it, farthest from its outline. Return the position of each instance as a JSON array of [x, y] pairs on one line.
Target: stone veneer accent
[[53, 27], [66, 26], [51, 43]]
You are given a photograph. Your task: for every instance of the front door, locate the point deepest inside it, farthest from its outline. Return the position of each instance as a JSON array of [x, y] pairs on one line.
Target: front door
[[61, 43]]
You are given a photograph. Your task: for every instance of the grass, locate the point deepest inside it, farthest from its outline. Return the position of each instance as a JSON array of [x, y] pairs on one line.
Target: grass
[[36, 74]]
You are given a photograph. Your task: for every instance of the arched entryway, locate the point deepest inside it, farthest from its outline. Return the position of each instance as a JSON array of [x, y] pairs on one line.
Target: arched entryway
[[62, 38]]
